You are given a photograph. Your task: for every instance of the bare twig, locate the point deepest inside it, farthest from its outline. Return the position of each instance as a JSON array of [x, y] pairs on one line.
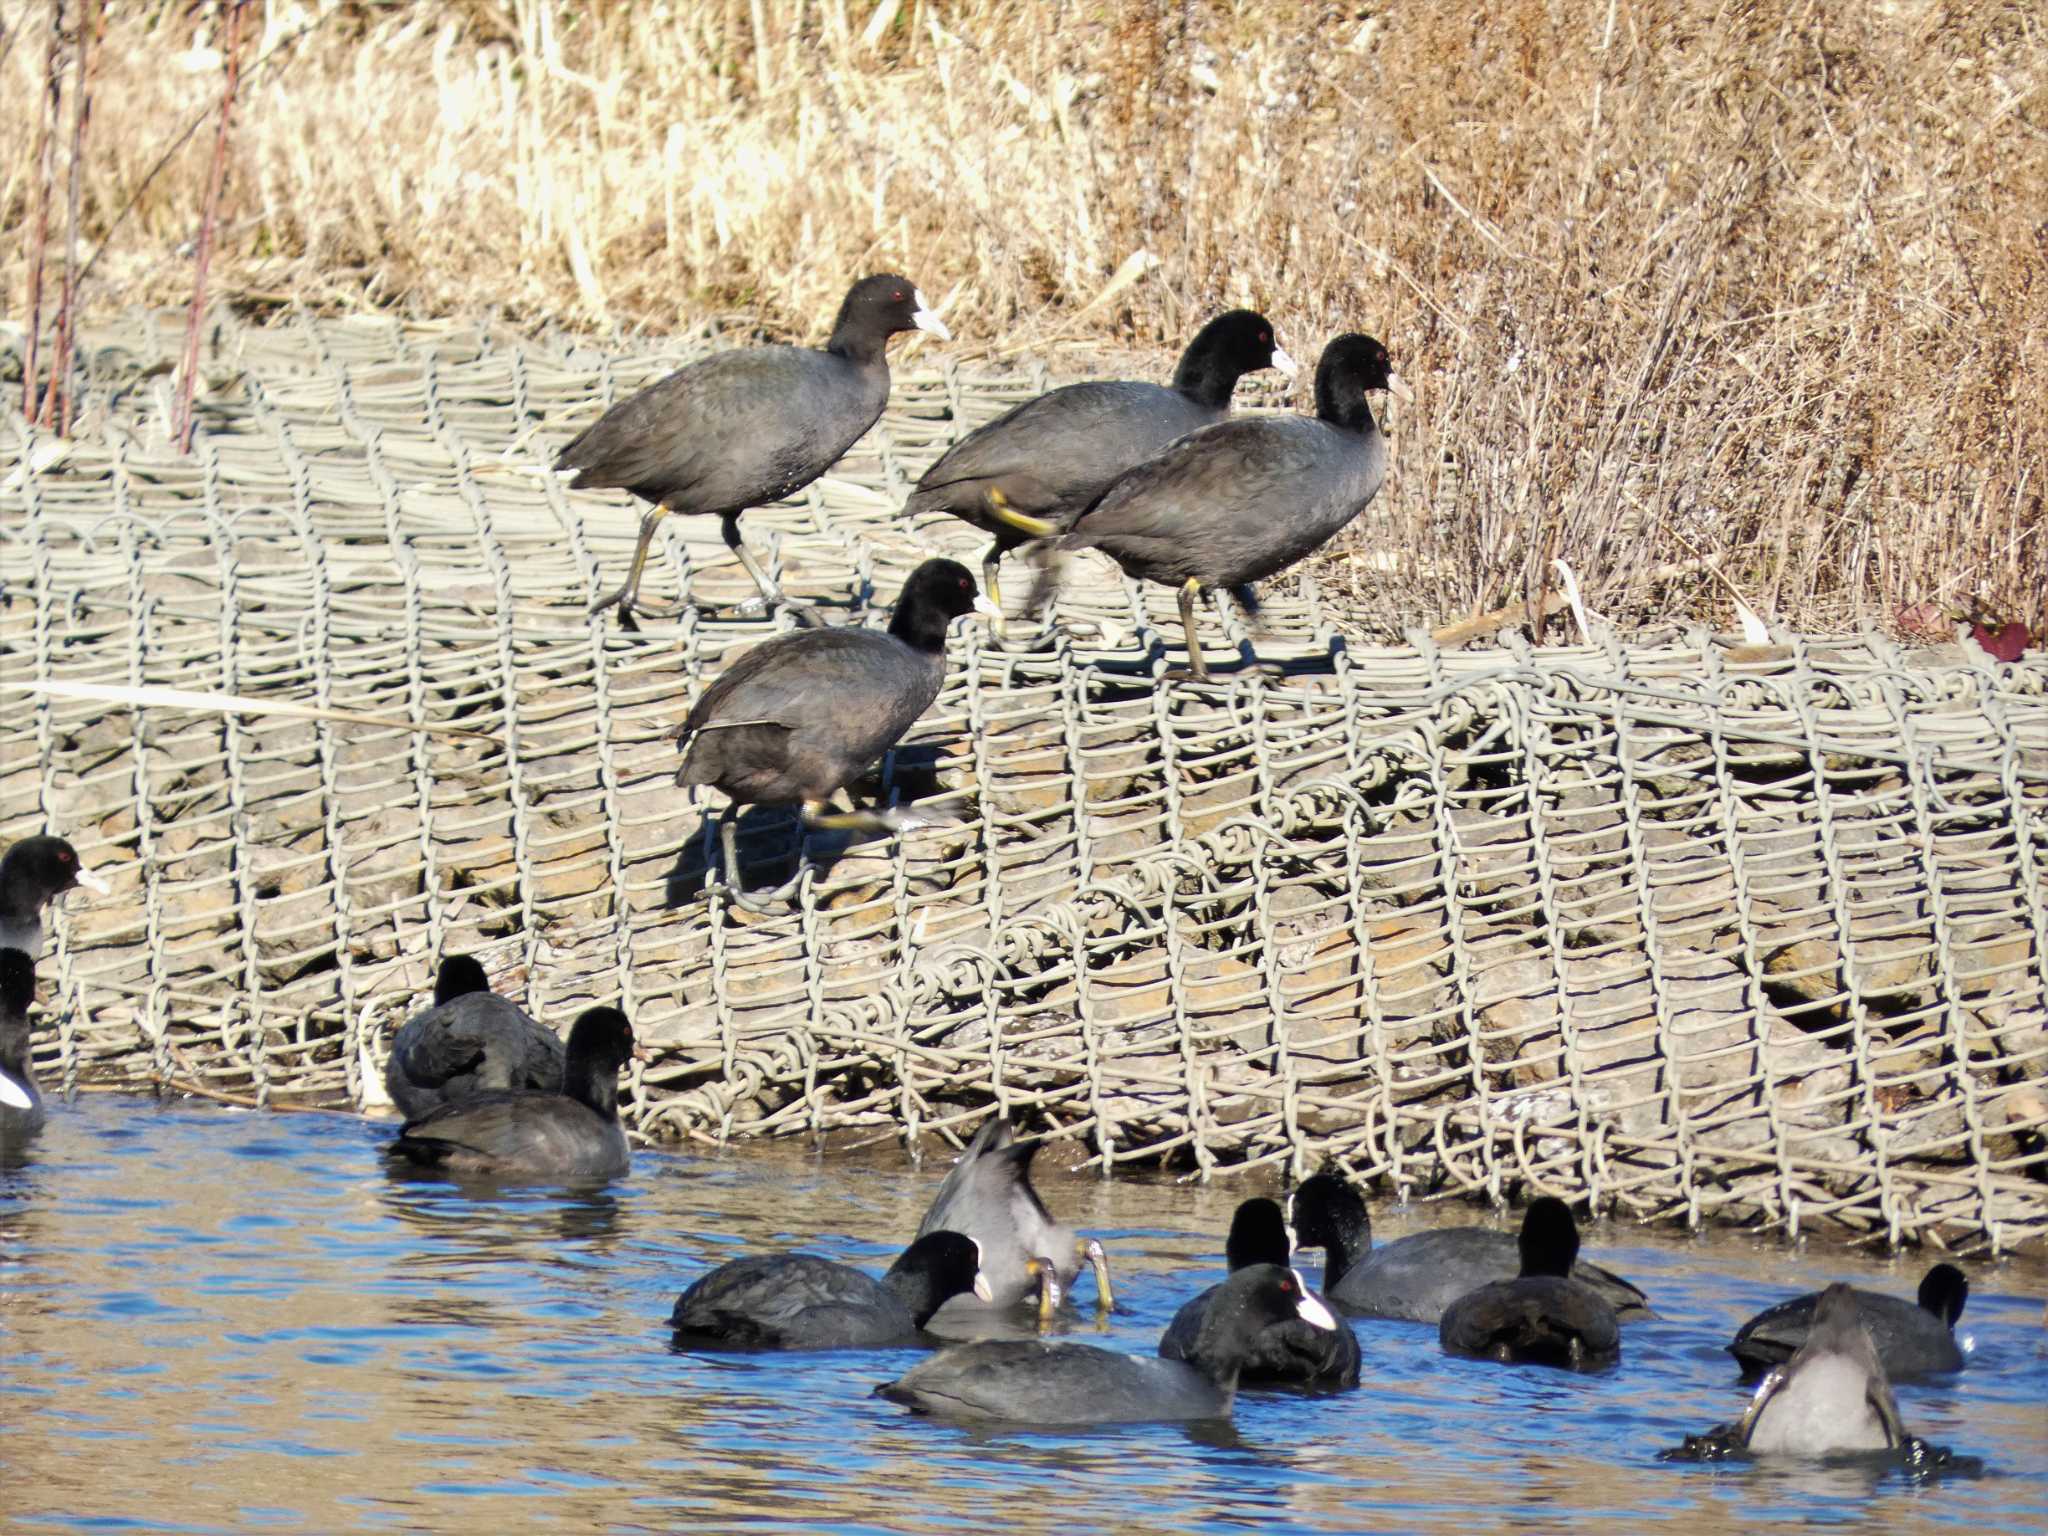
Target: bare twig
[[188, 374], [58, 401], [39, 221]]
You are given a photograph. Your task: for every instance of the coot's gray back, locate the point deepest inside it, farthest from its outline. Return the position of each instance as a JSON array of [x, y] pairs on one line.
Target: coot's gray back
[[988, 1195]]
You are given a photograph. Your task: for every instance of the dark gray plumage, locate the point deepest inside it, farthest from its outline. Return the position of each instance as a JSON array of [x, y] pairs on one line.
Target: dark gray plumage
[[1038, 466], [743, 428], [34, 873], [21, 1102], [800, 1301], [1541, 1317], [1034, 1382], [1912, 1338], [1290, 1352], [1415, 1278], [988, 1196], [471, 1041], [1236, 502], [574, 1134], [1830, 1397], [801, 716]]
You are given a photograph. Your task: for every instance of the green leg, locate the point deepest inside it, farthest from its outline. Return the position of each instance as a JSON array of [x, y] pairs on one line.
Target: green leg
[[1197, 667]]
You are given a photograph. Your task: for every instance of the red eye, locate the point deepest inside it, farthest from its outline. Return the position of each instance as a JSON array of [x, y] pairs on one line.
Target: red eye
[[1264, 337], [64, 856], [899, 296]]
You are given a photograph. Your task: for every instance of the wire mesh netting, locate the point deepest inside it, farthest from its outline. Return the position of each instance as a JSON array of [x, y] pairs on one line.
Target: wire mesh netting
[[1702, 931]]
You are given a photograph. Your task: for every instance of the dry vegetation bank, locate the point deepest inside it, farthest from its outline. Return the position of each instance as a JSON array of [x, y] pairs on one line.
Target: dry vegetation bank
[[1676, 278]]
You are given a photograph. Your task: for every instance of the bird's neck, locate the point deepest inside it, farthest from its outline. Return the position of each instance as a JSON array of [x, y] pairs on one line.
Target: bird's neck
[[920, 629], [1347, 1245], [916, 1292], [1207, 381], [587, 1083], [1351, 416]]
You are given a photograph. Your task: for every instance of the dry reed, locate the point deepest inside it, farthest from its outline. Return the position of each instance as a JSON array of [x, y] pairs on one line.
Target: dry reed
[[1751, 293]]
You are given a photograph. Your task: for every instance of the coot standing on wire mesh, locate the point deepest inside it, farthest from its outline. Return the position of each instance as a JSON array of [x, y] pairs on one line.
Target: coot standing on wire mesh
[[799, 717], [574, 1134], [471, 1041], [747, 427], [1034, 469], [33, 873], [1236, 502]]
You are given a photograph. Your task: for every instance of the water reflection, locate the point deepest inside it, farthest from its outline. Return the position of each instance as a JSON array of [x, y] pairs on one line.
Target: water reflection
[[216, 1320]]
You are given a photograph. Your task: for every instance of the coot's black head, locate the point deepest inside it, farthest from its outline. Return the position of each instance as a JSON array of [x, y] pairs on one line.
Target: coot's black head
[[1258, 1235], [38, 868], [936, 594], [460, 976], [1943, 1293], [17, 983], [1550, 1238], [1236, 342], [946, 1264], [1351, 367], [1265, 1294], [600, 1041], [1330, 1214], [876, 308]]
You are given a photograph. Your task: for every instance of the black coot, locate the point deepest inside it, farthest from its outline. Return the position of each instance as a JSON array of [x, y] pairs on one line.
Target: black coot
[[1415, 1277], [1830, 1397], [1911, 1338], [574, 1134], [988, 1196], [1038, 466], [801, 716], [33, 873], [1235, 502], [1543, 1316], [1291, 1352], [800, 1301], [471, 1041], [743, 428], [1030, 1381], [21, 1104]]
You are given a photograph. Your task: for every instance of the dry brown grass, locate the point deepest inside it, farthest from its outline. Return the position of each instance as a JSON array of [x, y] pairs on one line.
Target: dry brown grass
[[1674, 277]]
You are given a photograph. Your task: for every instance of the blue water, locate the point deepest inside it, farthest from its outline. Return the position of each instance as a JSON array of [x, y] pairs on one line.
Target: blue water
[[221, 1320]]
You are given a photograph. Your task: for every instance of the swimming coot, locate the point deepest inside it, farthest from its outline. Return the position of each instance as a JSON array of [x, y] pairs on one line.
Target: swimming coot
[[471, 1041], [1543, 1316], [801, 716], [747, 427], [1830, 1397], [1290, 1352], [1415, 1277], [21, 1104], [1911, 1338], [1031, 1381], [800, 1301], [1235, 502], [1038, 466], [573, 1134], [988, 1195], [33, 873]]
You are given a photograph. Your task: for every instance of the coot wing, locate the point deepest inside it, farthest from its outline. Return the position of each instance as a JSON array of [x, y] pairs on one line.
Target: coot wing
[[1032, 1381], [515, 1133]]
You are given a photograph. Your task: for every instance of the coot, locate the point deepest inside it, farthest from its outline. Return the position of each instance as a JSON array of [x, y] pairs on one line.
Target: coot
[[21, 1104], [1038, 466], [33, 873], [1543, 1316], [1415, 1277], [527, 1134], [1830, 1397], [800, 1301], [801, 716], [1291, 1352], [1035, 1382], [1912, 1339], [471, 1041], [1235, 502], [747, 427], [988, 1196]]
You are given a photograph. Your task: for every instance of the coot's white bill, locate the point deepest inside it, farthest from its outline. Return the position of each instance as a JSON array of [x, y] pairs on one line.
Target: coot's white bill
[[1284, 363], [981, 1288], [925, 320], [985, 608], [12, 1094], [94, 883], [1398, 388], [1311, 1310]]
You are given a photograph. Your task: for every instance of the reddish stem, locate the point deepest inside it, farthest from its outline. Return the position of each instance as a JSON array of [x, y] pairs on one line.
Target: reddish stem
[[189, 371]]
